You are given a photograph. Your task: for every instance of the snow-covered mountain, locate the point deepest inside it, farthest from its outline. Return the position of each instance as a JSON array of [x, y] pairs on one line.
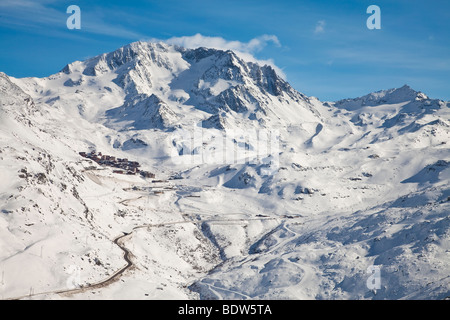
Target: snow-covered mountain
[[161, 85], [390, 96], [260, 191]]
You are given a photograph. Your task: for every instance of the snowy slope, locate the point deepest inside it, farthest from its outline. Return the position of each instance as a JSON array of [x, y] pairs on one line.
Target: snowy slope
[[61, 213], [260, 191]]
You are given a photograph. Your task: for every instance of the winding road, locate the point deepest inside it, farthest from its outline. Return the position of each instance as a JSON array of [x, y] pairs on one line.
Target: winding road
[[127, 254]]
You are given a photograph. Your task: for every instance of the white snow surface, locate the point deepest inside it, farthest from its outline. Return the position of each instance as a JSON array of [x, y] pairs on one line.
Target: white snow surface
[[352, 184]]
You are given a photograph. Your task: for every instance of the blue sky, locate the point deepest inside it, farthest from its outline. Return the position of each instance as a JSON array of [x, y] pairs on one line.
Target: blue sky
[[323, 47]]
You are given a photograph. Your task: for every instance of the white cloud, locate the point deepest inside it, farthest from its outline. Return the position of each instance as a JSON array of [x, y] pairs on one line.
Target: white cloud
[[245, 50], [320, 27], [198, 40]]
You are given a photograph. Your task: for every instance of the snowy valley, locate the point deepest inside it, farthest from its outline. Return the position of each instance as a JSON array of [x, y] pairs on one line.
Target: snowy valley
[[259, 191]]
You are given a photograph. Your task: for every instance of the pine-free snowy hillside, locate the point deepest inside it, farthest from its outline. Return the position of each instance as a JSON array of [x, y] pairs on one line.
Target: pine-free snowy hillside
[[398, 112], [260, 192], [391, 96], [61, 213]]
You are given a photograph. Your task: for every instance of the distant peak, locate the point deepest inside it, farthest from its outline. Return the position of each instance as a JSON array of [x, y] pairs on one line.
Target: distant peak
[[395, 95], [406, 93], [390, 96], [405, 87]]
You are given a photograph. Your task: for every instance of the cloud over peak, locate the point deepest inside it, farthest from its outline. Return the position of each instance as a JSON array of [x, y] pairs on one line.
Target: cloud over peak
[[198, 40], [245, 50]]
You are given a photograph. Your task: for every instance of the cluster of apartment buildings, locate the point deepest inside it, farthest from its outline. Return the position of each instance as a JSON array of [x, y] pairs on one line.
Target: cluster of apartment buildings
[[122, 166]]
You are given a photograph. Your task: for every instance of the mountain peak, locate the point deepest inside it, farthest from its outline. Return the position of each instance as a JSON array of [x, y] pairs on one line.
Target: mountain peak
[[394, 95], [390, 96], [139, 50], [208, 80], [404, 93]]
